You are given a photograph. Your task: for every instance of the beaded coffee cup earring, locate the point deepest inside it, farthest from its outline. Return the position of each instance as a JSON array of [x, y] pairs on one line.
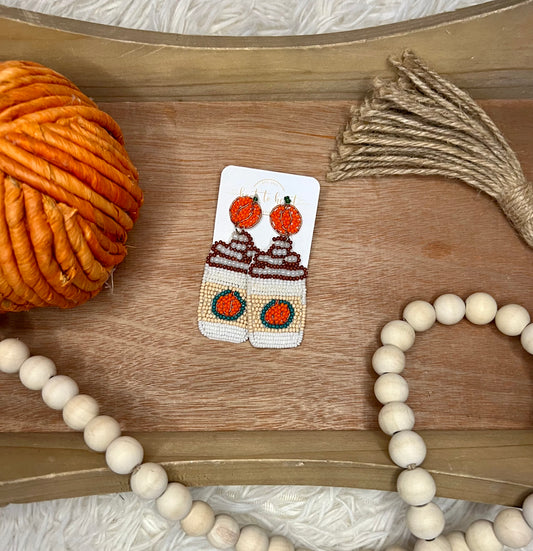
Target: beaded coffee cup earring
[[222, 310], [276, 287]]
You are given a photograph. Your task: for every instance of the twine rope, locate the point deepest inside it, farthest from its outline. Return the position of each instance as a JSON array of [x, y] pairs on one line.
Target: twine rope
[[421, 124]]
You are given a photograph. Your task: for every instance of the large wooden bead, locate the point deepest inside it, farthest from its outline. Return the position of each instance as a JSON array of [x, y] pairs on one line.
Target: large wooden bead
[[100, 432], [480, 536], [480, 308], [527, 509], [420, 315], [225, 532], [124, 454], [396, 416], [199, 521], [79, 410], [438, 544], [280, 543], [449, 308], [407, 448], [175, 503], [526, 338], [399, 333], [512, 529], [425, 522], [35, 371], [252, 538], [457, 541], [388, 359], [149, 480], [416, 486], [13, 353], [391, 387], [512, 319], [58, 390]]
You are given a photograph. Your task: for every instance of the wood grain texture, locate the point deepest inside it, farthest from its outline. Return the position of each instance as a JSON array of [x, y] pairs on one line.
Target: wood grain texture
[[486, 49], [378, 244], [493, 467]]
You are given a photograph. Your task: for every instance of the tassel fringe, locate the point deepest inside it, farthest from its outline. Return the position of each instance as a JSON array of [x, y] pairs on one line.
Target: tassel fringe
[[421, 124]]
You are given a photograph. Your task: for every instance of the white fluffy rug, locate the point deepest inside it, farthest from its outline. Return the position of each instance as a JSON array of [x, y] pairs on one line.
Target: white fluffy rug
[[323, 519]]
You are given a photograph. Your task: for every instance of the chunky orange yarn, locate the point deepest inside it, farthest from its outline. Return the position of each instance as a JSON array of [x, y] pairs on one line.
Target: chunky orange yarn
[[68, 191]]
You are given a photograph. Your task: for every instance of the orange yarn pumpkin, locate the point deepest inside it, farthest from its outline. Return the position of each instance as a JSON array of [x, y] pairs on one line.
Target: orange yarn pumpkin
[[286, 218], [245, 212], [68, 191]]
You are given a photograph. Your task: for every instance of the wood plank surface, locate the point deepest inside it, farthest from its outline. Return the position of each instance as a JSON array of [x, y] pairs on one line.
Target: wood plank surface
[[486, 49], [492, 467], [378, 245]]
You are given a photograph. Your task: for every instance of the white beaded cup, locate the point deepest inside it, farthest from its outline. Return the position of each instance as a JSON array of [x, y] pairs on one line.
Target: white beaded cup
[[124, 454], [35, 372], [13, 353]]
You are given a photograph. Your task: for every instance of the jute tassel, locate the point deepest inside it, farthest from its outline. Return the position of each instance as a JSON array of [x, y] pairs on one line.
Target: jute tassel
[[421, 124]]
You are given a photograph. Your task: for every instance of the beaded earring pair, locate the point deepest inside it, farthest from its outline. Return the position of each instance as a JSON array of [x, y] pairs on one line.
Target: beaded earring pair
[[251, 294]]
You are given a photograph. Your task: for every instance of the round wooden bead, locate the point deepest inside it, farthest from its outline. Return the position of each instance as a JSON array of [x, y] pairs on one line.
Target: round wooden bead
[[124, 454], [407, 448], [526, 338], [35, 371], [175, 503], [13, 353], [527, 509], [280, 543], [388, 359], [511, 528], [252, 538], [149, 480], [425, 522], [449, 308], [58, 390], [416, 486], [396, 416], [79, 410], [100, 432], [438, 544], [420, 315], [480, 536], [481, 308], [457, 541], [199, 521], [512, 319], [391, 387], [399, 333], [225, 532], [395, 548]]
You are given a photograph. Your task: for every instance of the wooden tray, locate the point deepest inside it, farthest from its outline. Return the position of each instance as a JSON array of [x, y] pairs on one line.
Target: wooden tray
[[217, 413]]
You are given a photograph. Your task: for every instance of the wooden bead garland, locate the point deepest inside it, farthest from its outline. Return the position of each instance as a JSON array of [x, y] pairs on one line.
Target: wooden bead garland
[[512, 527]]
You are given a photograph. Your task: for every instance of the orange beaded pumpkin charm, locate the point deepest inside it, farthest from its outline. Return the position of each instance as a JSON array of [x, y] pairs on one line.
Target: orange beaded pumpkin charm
[[286, 218], [245, 212]]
